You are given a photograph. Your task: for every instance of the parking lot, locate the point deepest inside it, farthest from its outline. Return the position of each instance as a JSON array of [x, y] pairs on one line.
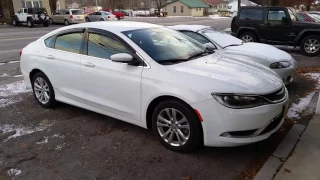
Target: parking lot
[[71, 143]]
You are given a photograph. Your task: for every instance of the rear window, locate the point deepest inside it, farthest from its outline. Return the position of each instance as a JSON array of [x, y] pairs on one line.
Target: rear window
[[251, 14], [76, 12]]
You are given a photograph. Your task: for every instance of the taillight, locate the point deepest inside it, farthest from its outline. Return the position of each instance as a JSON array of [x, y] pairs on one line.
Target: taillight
[[20, 52], [234, 26], [71, 17], [108, 16]]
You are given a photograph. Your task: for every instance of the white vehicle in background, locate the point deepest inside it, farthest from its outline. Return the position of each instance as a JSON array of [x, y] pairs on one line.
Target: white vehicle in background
[[31, 16], [158, 78], [101, 16], [229, 46]]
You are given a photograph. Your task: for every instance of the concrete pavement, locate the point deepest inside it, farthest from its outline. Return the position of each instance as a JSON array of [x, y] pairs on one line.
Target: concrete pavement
[[305, 160]]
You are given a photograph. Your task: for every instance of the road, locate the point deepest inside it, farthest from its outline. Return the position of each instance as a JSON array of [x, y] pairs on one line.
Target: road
[[71, 143]]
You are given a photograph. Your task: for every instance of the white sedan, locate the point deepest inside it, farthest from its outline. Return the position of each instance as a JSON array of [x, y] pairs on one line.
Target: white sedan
[[158, 78], [279, 61]]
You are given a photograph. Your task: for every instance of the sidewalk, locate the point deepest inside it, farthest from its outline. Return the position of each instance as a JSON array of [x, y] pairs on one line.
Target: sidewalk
[[304, 163]]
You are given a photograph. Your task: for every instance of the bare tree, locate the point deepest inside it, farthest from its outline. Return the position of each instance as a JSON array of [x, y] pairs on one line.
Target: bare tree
[[160, 4], [7, 11]]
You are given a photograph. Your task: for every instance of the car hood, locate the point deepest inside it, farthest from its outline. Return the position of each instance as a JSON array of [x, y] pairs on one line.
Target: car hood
[[217, 74], [266, 52]]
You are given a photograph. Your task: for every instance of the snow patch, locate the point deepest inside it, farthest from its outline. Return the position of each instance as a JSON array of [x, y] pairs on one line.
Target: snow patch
[[227, 29], [18, 75], [296, 109], [45, 141], [21, 130], [7, 92], [11, 62], [4, 74], [59, 147], [46, 138], [13, 172], [2, 64]]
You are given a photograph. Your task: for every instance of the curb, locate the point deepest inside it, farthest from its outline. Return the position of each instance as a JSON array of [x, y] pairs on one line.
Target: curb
[[287, 145]]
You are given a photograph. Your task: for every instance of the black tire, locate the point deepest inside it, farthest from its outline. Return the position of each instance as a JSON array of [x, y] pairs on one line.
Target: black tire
[[66, 22], [52, 102], [118, 18], [250, 35], [15, 22], [195, 139], [50, 21], [46, 24], [305, 40], [30, 23], [42, 16], [101, 19], [87, 19]]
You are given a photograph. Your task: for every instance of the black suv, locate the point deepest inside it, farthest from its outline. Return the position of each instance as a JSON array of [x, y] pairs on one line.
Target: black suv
[[31, 16], [277, 26]]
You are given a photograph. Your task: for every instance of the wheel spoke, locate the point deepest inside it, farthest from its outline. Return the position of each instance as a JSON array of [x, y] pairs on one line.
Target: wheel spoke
[[183, 120], [160, 118], [37, 87], [179, 139], [170, 137], [168, 114], [182, 135], [166, 134], [46, 96], [41, 97], [163, 125], [184, 127], [174, 115]]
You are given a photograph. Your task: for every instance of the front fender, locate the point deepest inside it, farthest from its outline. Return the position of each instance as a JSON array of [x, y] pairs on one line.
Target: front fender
[[302, 33]]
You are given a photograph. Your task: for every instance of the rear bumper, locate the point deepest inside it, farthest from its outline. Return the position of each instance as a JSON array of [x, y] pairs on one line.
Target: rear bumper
[[75, 21]]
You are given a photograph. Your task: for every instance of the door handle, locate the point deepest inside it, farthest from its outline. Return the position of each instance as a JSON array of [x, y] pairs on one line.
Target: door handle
[[50, 57], [89, 64]]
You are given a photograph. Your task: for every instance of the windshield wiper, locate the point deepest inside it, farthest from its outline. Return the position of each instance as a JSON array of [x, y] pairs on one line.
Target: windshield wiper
[[199, 55], [172, 61], [232, 45]]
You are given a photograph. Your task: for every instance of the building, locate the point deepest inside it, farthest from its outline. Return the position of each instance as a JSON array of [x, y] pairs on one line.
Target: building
[[185, 8], [61, 4], [217, 7]]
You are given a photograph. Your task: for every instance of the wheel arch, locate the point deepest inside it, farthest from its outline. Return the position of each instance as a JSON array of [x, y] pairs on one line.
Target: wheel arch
[[242, 30], [304, 34], [33, 72]]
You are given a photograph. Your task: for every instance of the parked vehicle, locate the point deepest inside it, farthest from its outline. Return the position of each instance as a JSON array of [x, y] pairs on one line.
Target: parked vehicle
[[277, 25], [155, 77], [67, 16], [31, 16], [228, 46], [118, 14], [100, 16], [305, 17]]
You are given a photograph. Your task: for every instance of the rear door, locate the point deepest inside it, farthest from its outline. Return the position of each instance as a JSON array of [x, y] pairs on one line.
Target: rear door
[[62, 59], [278, 26], [251, 18], [55, 16]]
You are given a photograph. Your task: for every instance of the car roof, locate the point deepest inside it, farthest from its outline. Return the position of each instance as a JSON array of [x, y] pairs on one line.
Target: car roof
[[112, 26], [194, 28]]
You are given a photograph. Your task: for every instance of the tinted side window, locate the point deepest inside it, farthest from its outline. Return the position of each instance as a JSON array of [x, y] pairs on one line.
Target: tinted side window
[[196, 37], [251, 14], [276, 15], [69, 42], [49, 41], [102, 46]]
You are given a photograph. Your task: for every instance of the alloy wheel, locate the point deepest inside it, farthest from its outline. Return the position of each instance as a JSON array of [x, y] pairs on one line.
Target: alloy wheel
[[41, 90], [14, 22], [29, 23], [247, 38], [173, 127], [312, 46]]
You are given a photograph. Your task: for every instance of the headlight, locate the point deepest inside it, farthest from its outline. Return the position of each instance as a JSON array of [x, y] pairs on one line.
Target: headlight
[[280, 65], [240, 101]]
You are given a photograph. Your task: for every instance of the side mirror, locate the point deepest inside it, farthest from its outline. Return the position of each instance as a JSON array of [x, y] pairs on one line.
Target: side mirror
[[285, 19], [122, 57], [210, 47]]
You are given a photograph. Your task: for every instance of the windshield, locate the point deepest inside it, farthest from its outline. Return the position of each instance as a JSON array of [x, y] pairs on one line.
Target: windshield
[[163, 44], [221, 38], [76, 12]]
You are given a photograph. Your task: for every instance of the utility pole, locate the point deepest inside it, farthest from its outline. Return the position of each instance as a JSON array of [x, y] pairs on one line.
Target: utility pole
[[239, 5], [97, 5]]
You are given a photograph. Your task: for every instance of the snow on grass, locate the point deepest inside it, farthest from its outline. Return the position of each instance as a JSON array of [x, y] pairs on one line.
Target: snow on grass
[[4, 75], [59, 147], [46, 138], [296, 109], [13, 172], [18, 75], [8, 91], [227, 29], [24, 130], [11, 62], [45, 141], [2, 64]]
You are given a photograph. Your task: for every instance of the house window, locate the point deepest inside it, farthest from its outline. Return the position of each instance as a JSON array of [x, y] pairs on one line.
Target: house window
[[181, 9], [23, 4], [174, 9], [36, 4], [214, 7], [197, 9], [220, 6], [29, 4], [225, 6]]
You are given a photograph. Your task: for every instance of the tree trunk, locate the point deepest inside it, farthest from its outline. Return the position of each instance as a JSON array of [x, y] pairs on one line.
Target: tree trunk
[[53, 5], [308, 5], [7, 10]]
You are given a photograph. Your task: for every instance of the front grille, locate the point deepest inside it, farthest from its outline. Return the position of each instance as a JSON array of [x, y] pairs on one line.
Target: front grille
[[273, 124], [242, 133], [276, 96]]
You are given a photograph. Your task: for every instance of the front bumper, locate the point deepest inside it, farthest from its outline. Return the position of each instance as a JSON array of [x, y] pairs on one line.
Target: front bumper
[[225, 127], [286, 74]]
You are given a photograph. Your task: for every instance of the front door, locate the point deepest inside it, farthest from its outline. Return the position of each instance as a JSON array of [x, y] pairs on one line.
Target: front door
[[108, 85], [277, 27], [22, 15], [62, 57]]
